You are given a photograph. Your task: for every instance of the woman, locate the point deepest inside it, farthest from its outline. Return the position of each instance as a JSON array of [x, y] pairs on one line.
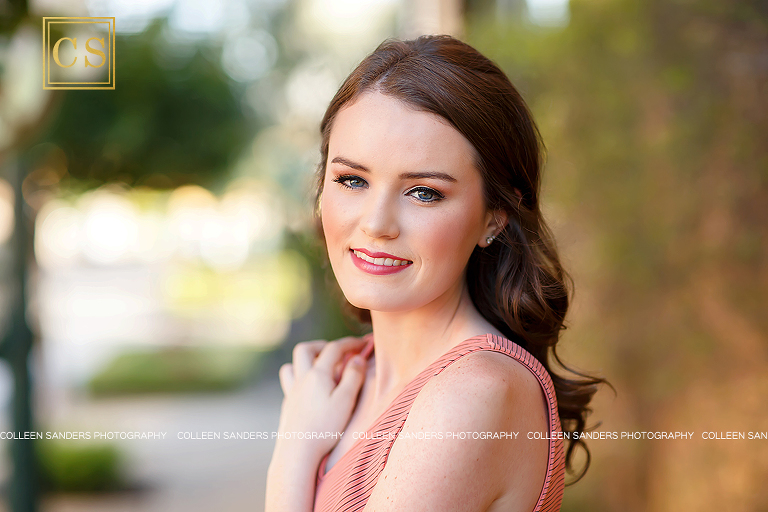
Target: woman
[[428, 199]]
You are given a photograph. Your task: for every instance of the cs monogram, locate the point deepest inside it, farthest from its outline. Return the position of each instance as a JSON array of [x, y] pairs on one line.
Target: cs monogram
[[91, 66]]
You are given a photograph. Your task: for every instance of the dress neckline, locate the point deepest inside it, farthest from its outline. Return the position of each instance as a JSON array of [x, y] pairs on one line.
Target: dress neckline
[[367, 351]]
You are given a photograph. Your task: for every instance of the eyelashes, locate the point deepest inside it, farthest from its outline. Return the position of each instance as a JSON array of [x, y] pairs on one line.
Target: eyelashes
[[432, 194], [420, 193], [345, 179]]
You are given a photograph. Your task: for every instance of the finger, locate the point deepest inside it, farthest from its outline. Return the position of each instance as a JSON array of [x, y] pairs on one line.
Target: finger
[[304, 355], [352, 378], [334, 351], [286, 377], [338, 368]]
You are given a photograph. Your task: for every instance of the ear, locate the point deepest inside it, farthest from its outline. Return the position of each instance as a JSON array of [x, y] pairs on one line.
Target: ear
[[495, 220]]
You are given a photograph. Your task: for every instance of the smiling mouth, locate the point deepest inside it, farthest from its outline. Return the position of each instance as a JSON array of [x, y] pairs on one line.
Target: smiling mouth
[[386, 262]]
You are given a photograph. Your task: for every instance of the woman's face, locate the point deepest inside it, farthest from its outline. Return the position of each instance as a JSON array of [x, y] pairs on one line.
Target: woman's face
[[402, 205]]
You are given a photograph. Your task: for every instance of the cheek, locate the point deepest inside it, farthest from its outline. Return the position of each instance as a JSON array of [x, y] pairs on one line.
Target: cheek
[[447, 238], [334, 219]]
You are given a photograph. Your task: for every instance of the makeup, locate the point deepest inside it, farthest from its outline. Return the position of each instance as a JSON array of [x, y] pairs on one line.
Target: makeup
[[378, 263]]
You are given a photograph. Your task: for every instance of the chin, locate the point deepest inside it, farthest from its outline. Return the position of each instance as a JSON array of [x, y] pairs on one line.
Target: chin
[[377, 302]]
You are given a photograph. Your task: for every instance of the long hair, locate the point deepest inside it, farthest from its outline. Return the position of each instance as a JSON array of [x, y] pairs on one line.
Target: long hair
[[517, 283]]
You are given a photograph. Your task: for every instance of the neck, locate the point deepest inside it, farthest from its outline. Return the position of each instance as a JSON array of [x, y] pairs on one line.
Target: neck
[[405, 343]]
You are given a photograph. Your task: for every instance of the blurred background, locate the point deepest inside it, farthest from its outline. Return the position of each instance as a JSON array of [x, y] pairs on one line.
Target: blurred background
[[157, 259]]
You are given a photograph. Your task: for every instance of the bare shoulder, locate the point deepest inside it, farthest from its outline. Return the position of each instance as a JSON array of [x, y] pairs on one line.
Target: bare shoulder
[[491, 374], [458, 449], [483, 391]]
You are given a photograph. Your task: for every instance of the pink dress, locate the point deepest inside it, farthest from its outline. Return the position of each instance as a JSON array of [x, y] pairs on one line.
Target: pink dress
[[347, 486]]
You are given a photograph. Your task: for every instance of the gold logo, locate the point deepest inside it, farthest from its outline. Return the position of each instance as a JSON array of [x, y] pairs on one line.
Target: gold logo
[[80, 54]]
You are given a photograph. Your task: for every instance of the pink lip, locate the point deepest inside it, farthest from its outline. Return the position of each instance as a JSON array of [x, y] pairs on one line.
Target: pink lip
[[377, 254], [377, 270]]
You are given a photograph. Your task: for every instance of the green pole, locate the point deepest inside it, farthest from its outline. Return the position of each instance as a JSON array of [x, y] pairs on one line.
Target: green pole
[[16, 348], [16, 344]]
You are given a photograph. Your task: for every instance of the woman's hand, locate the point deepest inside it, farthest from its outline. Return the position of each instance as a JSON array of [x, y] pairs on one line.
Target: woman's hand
[[320, 393]]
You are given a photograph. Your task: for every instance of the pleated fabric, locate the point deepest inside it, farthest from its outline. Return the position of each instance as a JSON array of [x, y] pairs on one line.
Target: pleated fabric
[[347, 486]]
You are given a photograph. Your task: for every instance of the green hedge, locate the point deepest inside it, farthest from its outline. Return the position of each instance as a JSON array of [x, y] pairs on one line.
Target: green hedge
[[177, 370], [72, 466]]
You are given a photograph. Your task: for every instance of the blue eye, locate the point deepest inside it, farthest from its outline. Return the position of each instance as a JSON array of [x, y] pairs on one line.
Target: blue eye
[[426, 195], [350, 181]]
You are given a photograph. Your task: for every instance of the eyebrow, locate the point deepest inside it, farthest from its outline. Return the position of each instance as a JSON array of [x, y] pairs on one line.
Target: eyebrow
[[403, 176]]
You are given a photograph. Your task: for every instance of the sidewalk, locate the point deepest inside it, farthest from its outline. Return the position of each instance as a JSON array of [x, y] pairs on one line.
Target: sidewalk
[[175, 474]]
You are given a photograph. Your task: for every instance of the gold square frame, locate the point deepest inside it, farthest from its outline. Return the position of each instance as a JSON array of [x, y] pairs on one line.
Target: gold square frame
[[110, 53]]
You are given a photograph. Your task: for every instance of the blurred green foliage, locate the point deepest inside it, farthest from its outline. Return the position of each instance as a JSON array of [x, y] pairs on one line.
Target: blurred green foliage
[[655, 114], [174, 117], [177, 370], [67, 466]]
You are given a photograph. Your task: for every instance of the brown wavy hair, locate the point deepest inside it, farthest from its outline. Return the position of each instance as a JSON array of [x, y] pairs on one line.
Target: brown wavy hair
[[517, 283]]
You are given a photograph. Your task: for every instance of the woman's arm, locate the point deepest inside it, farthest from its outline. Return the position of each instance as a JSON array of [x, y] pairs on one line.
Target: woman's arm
[[482, 392], [314, 402], [291, 481]]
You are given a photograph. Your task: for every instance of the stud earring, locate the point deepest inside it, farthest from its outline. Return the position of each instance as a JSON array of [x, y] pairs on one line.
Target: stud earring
[[490, 239]]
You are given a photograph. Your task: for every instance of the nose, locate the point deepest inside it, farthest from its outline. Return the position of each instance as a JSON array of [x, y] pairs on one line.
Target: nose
[[380, 218]]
